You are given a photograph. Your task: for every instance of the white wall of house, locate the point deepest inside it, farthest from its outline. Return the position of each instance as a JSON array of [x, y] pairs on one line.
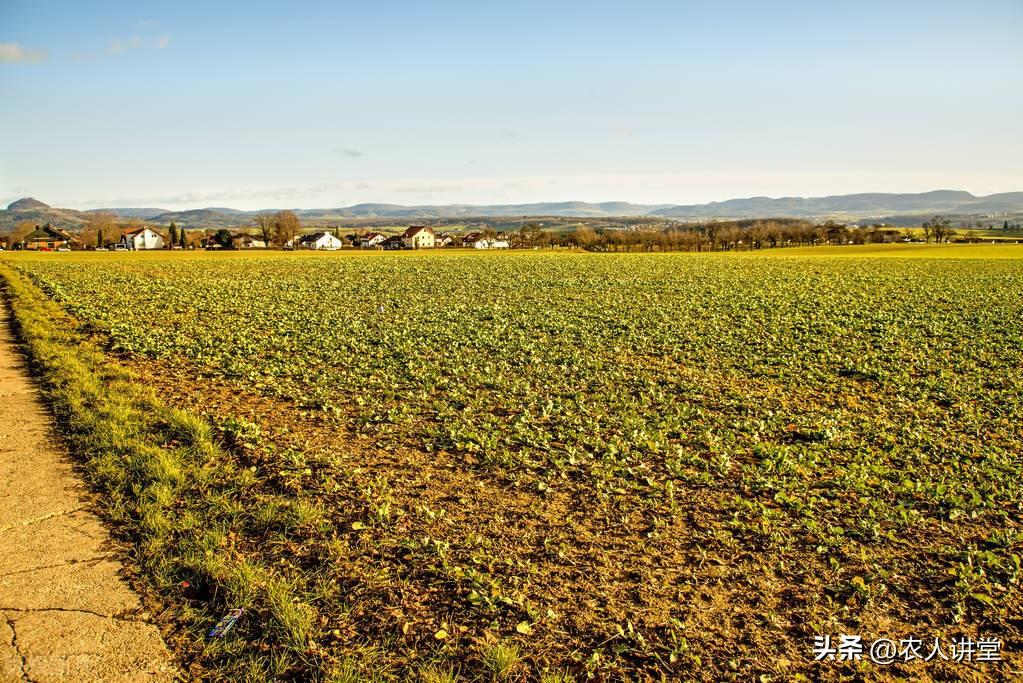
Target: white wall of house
[[327, 241], [143, 239], [422, 239], [487, 243]]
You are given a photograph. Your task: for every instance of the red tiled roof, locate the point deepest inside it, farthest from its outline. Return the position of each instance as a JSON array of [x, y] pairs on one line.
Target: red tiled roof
[[414, 230]]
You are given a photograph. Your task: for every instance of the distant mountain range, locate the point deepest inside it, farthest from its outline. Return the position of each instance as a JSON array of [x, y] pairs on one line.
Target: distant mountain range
[[866, 205], [873, 205]]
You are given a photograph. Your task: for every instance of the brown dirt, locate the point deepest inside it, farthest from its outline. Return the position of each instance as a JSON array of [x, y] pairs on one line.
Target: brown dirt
[[584, 568]]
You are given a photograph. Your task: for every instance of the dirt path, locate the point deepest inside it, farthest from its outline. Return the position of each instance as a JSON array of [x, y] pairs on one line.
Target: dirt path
[[65, 612]]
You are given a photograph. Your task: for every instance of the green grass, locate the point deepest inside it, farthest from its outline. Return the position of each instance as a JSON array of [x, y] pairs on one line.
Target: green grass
[[501, 660], [163, 481], [438, 674]]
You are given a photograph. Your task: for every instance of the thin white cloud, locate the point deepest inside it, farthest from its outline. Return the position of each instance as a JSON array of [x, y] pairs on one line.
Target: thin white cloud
[[351, 153], [118, 46], [428, 189], [223, 195], [324, 187], [13, 53]]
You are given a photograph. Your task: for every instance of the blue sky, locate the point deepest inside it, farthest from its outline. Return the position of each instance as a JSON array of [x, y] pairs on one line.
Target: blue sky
[[257, 104]]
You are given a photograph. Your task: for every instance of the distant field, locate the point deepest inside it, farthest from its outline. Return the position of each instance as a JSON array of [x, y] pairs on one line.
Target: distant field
[[577, 465], [912, 250]]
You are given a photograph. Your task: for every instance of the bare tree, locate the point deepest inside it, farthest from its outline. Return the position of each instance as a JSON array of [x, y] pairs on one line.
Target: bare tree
[[530, 233], [286, 227], [103, 226], [939, 228], [584, 236], [20, 232], [265, 226]]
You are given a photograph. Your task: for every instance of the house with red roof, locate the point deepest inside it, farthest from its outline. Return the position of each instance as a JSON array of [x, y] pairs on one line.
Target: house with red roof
[[419, 237], [370, 239]]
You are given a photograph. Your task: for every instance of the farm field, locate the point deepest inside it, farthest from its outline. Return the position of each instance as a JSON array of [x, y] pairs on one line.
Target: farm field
[[569, 466]]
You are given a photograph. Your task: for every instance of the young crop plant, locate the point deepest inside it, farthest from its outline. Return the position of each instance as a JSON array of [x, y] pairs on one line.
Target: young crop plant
[[551, 466]]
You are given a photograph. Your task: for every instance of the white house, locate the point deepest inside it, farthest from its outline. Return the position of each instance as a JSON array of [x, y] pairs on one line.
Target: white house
[[490, 243], [371, 239], [325, 241], [142, 238], [419, 237], [248, 242]]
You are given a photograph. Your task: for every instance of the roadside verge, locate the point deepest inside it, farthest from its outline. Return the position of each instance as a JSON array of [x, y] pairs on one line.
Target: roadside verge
[[168, 491]]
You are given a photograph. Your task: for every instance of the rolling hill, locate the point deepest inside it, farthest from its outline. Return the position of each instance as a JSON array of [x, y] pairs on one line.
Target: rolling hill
[[863, 205], [871, 205]]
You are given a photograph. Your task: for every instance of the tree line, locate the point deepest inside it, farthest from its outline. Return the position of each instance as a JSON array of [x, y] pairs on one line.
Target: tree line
[[729, 235], [280, 228]]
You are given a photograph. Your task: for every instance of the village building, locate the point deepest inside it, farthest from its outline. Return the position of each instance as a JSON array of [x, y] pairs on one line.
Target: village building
[[320, 241], [210, 242], [444, 240], [469, 239], [47, 237], [371, 239], [394, 242], [419, 237], [490, 243], [142, 238], [890, 236], [248, 242]]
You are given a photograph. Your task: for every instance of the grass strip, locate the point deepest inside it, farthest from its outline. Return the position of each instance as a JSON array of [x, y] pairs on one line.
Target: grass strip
[[174, 494]]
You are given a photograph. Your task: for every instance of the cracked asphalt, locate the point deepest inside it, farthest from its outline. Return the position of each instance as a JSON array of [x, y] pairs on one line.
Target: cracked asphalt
[[66, 612]]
